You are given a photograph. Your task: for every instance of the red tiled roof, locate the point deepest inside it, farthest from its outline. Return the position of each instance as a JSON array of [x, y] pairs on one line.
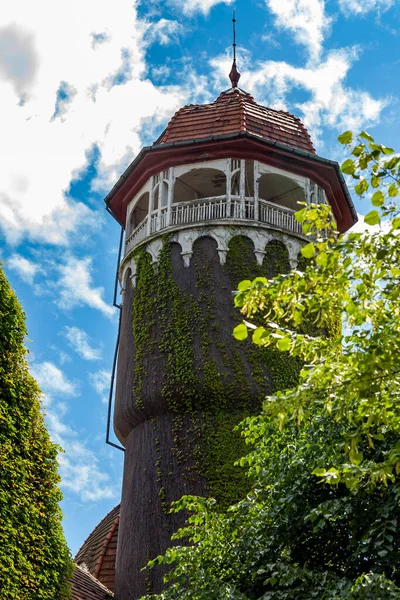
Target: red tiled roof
[[99, 550], [86, 587], [236, 111]]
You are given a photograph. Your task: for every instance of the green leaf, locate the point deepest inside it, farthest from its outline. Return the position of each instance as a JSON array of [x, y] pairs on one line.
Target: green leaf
[[393, 190], [375, 181], [366, 136], [240, 332], [322, 259], [392, 163], [372, 218], [361, 187], [320, 472], [258, 335], [346, 137], [358, 150], [308, 250], [387, 150], [378, 199], [301, 215], [284, 344], [244, 285], [348, 167]]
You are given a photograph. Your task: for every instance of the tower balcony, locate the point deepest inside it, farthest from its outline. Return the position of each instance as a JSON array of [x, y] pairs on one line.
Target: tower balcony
[[228, 192], [200, 212]]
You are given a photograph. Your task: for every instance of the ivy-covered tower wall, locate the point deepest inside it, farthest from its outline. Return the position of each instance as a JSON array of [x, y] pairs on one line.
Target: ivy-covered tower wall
[[183, 385], [211, 203]]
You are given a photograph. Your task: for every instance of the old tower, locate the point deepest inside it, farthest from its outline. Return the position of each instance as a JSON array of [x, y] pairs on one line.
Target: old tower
[[210, 203]]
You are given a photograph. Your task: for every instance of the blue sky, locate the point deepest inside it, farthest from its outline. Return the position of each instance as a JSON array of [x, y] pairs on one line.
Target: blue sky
[[83, 85]]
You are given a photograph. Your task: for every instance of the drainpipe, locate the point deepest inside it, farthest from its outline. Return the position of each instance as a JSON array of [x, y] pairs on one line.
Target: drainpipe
[[119, 306]]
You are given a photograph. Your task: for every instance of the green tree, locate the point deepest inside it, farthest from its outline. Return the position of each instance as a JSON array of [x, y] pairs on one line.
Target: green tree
[[35, 562], [322, 518]]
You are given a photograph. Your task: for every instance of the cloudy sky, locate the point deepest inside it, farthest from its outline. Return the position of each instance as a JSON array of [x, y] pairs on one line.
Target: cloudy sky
[[83, 86]]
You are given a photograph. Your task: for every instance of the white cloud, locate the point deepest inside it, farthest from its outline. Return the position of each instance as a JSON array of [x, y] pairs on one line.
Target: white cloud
[[164, 32], [305, 19], [79, 341], [25, 268], [80, 470], [192, 6], [107, 100], [18, 58], [101, 383], [76, 287], [52, 380], [362, 226], [330, 102], [361, 7], [81, 473]]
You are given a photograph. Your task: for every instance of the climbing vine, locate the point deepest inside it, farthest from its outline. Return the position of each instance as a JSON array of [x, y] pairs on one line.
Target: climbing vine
[[205, 379], [34, 558]]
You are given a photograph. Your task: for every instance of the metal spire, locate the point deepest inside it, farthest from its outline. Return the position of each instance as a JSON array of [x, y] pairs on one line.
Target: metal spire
[[234, 75]]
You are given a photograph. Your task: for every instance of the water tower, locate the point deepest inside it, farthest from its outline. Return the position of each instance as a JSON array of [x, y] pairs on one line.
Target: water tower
[[210, 203]]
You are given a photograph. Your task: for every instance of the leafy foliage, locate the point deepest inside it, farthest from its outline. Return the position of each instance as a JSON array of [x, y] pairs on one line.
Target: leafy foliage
[[34, 559], [321, 520]]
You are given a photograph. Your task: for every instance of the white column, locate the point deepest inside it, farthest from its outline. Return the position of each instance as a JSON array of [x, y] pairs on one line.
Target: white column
[[256, 176], [242, 187], [171, 183], [151, 205], [160, 199], [228, 174], [307, 191]]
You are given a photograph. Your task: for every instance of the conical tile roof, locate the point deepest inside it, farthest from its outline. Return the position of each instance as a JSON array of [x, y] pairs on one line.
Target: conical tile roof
[[236, 111]]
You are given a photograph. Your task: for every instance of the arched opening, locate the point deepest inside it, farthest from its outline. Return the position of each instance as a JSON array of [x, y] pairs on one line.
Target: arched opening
[[241, 262], [199, 183], [276, 259], [280, 190], [139, 213], [249, 181]]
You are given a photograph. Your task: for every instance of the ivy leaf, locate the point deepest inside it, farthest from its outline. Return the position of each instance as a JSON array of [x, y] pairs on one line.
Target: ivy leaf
[[240, 332], [346, 137], [372, 218], [308, 251], [378, 199]]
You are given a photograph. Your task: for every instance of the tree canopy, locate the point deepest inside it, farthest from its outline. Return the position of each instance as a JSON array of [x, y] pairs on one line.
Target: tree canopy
[[35, 563], [321, 520]]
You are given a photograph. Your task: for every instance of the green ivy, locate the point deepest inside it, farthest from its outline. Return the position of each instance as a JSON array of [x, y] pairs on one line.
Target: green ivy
[[35, 562], [216, 391]]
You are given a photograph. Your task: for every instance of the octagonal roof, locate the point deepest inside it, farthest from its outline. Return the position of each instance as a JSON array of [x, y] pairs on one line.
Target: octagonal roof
[[236, 111]]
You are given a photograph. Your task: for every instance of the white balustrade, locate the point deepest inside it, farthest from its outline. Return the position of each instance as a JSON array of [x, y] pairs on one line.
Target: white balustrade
[[210, 209]]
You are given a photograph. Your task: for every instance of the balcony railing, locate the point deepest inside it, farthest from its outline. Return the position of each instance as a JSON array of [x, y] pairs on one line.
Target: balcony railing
[[212, 209]]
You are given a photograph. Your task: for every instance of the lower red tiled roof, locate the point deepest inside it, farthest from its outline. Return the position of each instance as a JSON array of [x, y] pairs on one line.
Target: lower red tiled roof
[[86, 587], [236, 111], [98, 552]]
